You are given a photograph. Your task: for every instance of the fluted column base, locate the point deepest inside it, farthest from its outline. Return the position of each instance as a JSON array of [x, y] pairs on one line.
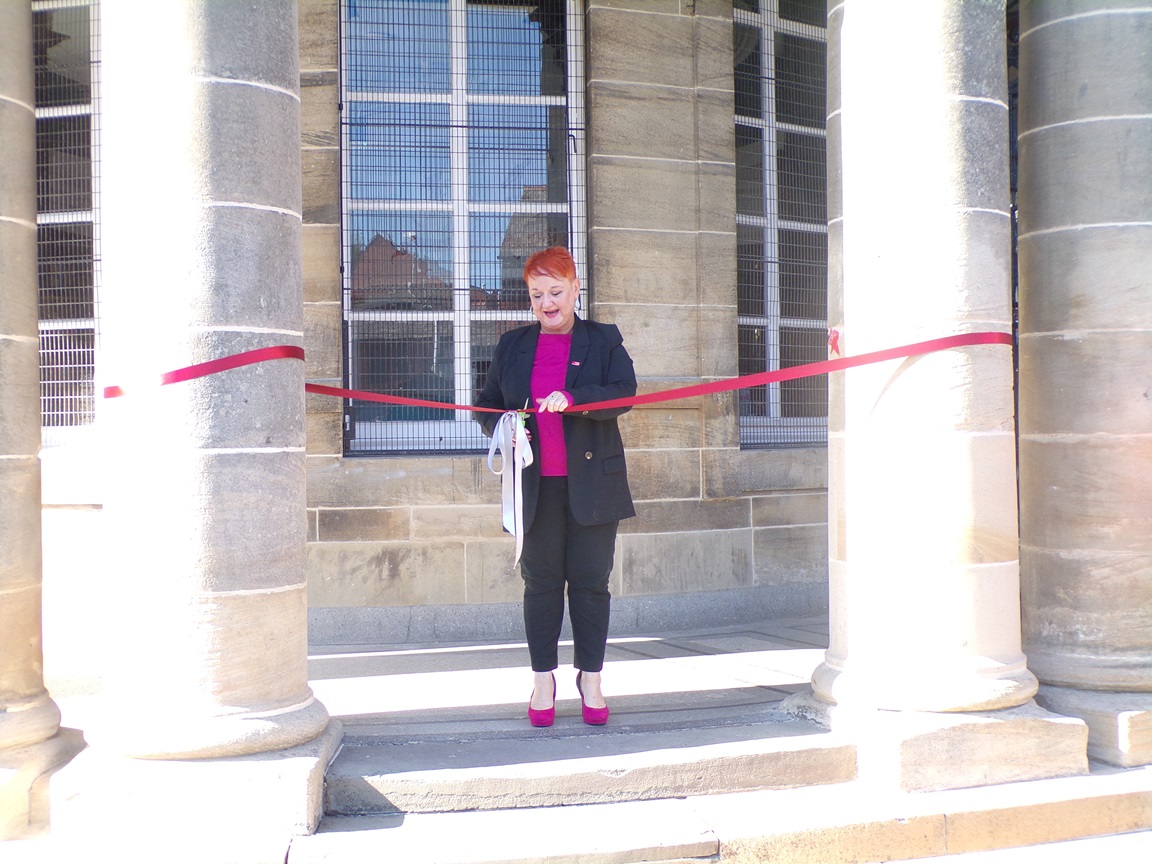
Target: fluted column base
[[1119, 724], [924, 751]]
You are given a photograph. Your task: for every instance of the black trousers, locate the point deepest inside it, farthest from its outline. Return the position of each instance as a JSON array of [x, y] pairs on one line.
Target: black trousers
[[558, 552]]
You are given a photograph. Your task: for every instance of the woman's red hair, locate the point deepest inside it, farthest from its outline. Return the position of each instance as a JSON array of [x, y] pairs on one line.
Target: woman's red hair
[[556, 261]]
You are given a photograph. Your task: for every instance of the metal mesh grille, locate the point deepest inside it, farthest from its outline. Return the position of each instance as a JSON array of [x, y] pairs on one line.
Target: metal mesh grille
[[462, 129], [66, 65], [781, 231]]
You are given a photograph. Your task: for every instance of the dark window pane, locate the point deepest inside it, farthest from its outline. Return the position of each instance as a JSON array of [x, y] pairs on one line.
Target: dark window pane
[[747, 5], [401, 261], [812, 12], [67, 366], [399, 151], [749, 270], [803, 397], [65, 271], [517, 153], [748, 76], [61, 45], [800, 171], [800, 77], [412, 359], [64, 164], [803, 274], [485, 335], [517, 48], [397, 47], [749, 170], [753, 352]]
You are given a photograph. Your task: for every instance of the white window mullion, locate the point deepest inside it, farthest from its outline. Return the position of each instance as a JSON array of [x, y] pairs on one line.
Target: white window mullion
[[771, 225], [346, 99], [577, 141], [461, 230]]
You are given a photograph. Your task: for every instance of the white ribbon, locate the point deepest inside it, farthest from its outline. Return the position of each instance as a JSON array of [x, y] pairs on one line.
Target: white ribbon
[[510, 439]]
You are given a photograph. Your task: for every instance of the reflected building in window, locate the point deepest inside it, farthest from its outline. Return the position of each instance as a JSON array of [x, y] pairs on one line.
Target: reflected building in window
[[527, 233], [386, 276]]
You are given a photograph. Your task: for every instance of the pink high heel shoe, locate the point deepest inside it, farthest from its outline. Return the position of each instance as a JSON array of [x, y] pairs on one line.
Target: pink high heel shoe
[[592, 716], [543, 716]]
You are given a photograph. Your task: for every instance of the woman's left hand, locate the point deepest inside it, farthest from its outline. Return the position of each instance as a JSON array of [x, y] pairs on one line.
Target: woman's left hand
[[554, 401]]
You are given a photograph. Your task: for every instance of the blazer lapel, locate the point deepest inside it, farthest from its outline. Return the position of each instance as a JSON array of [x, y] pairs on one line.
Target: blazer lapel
[[520, 387], [578, 353]]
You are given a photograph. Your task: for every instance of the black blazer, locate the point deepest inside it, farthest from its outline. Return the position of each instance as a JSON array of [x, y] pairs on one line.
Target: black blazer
[[599, 368]]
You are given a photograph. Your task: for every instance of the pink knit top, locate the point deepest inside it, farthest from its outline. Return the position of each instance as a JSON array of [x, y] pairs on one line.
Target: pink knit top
[[549, 370]]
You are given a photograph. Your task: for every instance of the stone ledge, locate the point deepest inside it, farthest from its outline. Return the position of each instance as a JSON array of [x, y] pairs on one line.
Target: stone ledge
[[921, 751], [1119, 724], [845, 823], [545, 771], [170, 802]]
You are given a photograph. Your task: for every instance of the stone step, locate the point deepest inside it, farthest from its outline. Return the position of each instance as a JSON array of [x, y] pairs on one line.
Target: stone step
[[515, 766], [843, 823]]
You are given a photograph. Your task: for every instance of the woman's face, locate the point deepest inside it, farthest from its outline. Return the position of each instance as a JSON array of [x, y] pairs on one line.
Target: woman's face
[[554, 301]]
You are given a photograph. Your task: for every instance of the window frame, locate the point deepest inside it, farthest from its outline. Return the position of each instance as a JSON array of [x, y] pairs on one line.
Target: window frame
[[461, 434], [773, 430], [66, 383]]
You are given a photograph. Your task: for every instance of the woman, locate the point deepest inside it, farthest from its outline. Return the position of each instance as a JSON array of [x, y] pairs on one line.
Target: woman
[[576, 490]]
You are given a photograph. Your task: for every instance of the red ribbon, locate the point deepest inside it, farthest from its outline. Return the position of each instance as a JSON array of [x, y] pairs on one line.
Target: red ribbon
[[276, 352], [211, 367]]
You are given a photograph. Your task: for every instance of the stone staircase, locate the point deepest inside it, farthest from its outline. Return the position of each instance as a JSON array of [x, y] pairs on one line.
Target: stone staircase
[[571, 764], [698, 763]]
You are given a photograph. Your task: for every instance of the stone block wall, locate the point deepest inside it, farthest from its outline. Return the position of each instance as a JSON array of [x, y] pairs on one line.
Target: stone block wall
[[410, 547]]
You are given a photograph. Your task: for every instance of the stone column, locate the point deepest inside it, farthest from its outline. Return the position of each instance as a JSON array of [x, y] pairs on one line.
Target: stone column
[[29, 719], [1085, 343], [205, 481], [925, 652]]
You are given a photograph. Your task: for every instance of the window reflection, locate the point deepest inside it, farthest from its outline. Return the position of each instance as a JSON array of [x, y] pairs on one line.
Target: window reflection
[[514, 148], [800, 76], [64, 163], [747, 75], [416, 363], [502, 59], [800, 167], [399, 151], [397, 47], [811, 12], [459, 141], [502, 242], [401, 261], [63, 57]]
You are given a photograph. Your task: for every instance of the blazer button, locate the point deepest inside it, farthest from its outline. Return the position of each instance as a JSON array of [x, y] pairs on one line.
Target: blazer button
[[588, 455], [585, 414]]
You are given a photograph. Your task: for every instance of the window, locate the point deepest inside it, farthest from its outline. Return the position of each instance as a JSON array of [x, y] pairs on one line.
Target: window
[[463, 142], [781, 221], [66, 64]]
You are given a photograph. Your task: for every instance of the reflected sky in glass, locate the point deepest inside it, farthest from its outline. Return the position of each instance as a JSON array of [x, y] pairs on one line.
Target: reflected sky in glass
[[399, 151], [507, 151], [405, 42]]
